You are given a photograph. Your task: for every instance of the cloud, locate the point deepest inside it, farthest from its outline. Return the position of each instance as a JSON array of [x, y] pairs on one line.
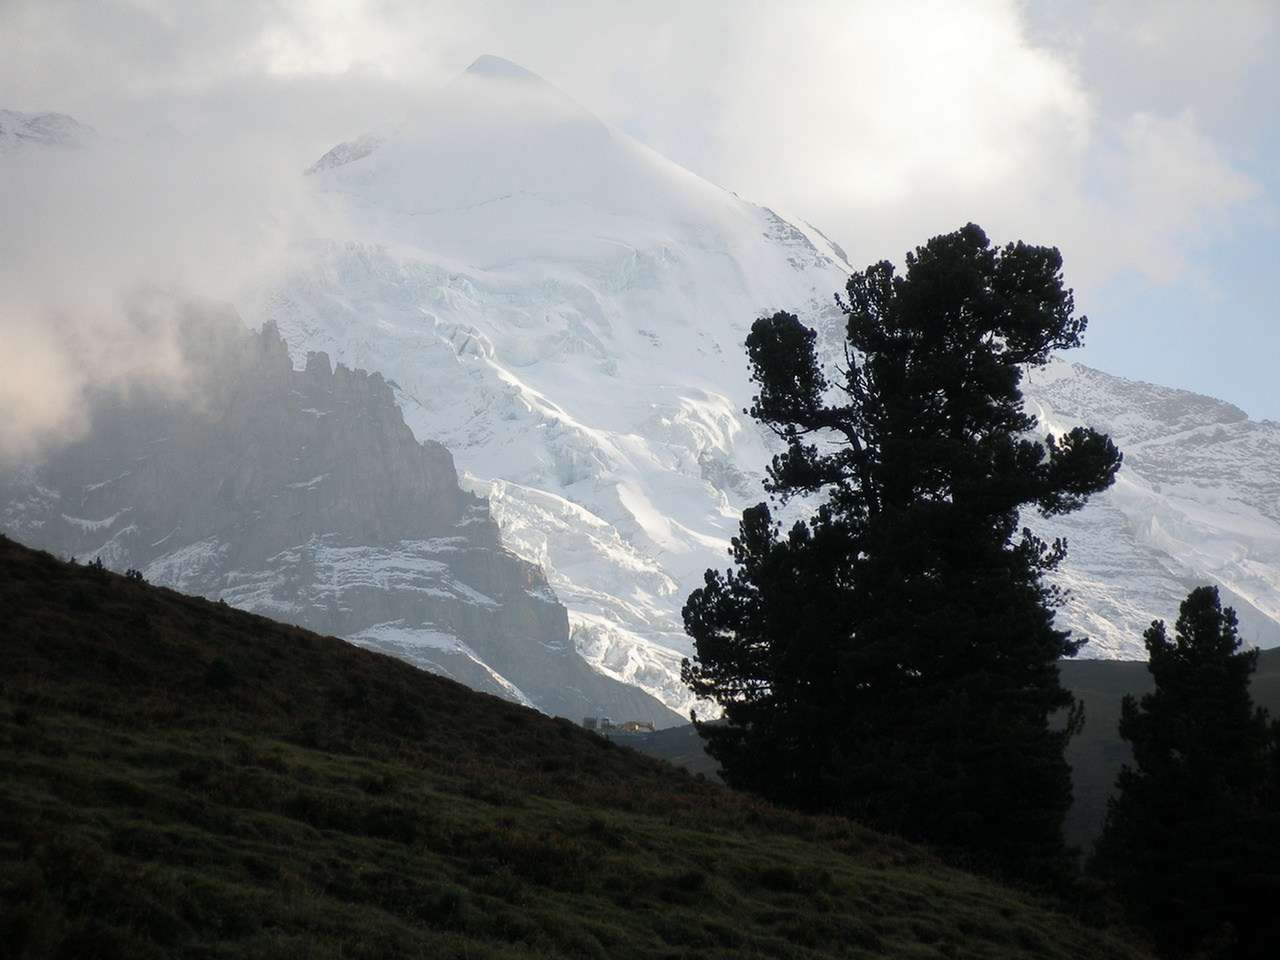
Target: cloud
[[1133, 136], [85, 230], [878, 100], [40, 388], [887, 124], [1163, 189], [1218, 60]]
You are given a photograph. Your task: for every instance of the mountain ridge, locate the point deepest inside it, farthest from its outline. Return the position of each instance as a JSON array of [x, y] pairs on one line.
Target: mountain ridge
[[1197, 501], [21, 130]]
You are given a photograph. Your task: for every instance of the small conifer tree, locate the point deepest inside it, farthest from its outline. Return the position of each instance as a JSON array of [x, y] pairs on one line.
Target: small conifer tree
[[1192, 840]]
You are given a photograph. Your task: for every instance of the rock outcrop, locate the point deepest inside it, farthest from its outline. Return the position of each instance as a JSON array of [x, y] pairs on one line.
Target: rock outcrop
[[304, 496]]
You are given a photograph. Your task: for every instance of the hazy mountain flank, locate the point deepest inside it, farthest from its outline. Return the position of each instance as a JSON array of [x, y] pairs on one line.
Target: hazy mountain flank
[[302, 495]]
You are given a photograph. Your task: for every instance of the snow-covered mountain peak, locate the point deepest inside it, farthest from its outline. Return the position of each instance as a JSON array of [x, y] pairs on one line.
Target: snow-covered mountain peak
[[1134, 415], [501, 166], [564, 309], [489, 90]]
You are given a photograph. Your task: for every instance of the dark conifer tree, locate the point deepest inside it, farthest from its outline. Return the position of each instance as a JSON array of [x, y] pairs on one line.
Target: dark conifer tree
[[1193, 837], [894, 656]]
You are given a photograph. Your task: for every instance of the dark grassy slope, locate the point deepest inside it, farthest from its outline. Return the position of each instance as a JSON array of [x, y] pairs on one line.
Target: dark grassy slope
[[178, 778]]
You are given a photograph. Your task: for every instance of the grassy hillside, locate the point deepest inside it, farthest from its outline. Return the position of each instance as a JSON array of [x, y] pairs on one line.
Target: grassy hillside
[[179, 779]]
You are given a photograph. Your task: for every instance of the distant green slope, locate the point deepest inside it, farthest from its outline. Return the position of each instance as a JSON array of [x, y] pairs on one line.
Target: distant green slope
[[1096, 755], [180, 779]]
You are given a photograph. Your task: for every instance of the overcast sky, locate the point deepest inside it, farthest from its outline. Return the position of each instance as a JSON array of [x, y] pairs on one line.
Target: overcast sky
[[1141, 138]]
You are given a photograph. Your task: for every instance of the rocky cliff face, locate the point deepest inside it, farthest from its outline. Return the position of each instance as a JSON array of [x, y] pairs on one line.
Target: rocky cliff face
[[304, 496]]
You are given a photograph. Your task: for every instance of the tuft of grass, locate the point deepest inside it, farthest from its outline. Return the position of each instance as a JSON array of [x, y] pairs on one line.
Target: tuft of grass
[[180, 779]]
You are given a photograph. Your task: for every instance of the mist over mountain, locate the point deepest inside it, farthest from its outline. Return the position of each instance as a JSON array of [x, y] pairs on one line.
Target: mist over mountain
[[563, 310]]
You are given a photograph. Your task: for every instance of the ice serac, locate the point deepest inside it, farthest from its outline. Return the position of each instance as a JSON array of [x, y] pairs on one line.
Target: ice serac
[[564, 309], [302, 495]]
